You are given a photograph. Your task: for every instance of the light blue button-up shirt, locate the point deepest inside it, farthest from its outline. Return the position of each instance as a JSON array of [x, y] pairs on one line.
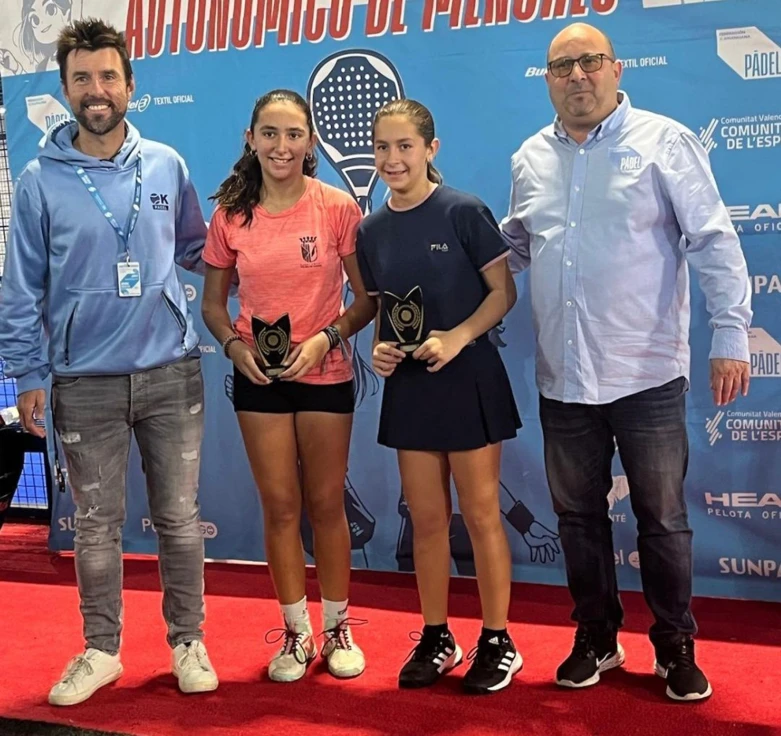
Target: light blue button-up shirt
[[607, 228]]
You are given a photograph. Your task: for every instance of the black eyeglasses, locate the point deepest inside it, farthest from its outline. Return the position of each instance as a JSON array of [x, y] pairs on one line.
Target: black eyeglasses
[[588, 63]]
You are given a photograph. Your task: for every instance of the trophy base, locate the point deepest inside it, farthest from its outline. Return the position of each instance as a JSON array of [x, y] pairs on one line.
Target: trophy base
[[409, 347], [274, 372]]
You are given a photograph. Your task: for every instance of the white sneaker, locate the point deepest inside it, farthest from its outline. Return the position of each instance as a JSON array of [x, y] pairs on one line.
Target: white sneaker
[[298, 651], [191, 665], [85, 674], [345, 658]]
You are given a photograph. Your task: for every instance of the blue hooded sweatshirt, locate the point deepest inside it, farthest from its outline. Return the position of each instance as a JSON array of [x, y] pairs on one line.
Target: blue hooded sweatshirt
[[59, 289]]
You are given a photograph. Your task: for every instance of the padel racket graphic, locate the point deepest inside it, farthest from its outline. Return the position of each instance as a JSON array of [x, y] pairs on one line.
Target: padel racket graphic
[[345, 91]]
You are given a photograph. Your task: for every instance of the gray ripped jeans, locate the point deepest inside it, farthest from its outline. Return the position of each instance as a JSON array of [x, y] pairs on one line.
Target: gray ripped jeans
[[94, 416]]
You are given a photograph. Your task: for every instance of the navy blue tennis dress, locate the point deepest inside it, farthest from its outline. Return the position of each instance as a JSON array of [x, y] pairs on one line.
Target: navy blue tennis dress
[[441, 246]]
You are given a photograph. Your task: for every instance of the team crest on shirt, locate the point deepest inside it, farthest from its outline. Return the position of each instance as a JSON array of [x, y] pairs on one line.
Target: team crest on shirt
[[309, 248], [159, 201]]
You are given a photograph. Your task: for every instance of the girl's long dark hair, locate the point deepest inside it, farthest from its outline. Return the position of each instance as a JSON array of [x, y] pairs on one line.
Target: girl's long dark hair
[[239, 194]]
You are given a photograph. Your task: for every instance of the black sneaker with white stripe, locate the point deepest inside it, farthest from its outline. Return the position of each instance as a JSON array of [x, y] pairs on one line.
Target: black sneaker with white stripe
[[675, 662], [494, 662], [435, 654], [595, 650]]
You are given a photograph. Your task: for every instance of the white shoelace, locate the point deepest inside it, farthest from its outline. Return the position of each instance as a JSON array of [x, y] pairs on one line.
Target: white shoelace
[[194, 657], [79, 666]]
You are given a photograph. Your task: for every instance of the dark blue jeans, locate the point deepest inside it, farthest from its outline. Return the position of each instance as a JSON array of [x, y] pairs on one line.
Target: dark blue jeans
[[649, 429]]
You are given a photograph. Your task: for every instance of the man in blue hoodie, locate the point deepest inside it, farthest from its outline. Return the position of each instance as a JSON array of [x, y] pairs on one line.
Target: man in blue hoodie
[[91, 297]]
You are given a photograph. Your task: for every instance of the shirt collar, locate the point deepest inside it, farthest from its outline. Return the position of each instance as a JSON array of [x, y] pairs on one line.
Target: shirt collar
[[607, 127]]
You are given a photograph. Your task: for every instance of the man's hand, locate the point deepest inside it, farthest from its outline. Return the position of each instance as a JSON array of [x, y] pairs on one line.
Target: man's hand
[[32, 405], [727, 377]]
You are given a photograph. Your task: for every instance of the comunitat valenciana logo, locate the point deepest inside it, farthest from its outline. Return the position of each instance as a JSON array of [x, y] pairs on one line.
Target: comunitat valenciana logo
[[208, 528], [742, 132]]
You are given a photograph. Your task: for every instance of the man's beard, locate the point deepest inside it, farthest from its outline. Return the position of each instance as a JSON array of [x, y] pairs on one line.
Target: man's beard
[[100, 126]]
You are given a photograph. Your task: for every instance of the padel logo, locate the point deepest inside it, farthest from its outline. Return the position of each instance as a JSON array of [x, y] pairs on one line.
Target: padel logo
[[749, 53], [668, 3], [765, 354]]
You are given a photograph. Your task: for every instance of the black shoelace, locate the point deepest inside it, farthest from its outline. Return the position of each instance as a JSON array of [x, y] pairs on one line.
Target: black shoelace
[[292, 644], [340, 634], [427, 645], [584, 644], [488, 655], [682, 657]]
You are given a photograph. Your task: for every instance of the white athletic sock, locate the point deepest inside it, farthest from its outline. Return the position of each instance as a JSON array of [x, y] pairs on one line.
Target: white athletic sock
[[296, 615], [334, 612]]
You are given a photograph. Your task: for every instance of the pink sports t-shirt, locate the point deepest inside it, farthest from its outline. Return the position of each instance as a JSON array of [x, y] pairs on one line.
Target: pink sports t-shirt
[[291, 262]]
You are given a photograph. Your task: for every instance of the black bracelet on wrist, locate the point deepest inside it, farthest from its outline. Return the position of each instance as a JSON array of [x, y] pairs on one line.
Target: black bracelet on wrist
[[227, 342], [334, 338]]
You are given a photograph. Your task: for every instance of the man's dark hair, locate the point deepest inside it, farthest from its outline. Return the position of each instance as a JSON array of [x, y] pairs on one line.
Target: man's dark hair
[[91, 34]]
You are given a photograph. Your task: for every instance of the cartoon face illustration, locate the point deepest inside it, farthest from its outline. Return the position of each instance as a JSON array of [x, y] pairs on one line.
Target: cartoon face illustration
[[46, 18], [36, 35]]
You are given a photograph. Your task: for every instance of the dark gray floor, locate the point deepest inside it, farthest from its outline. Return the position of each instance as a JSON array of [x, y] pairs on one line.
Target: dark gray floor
[[13, 727]]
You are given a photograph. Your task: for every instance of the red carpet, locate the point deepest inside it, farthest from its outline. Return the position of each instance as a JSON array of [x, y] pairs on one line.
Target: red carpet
[[739, 648]]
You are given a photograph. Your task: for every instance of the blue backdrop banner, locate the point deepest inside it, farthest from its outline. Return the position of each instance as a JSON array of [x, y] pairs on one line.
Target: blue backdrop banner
[[477, 64]]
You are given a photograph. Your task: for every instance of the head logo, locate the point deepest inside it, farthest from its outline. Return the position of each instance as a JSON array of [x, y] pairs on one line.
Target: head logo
[[749, 53], [190, 292], [309, 248], [140, 104], [159, 201], [742, 505], [756, 218]]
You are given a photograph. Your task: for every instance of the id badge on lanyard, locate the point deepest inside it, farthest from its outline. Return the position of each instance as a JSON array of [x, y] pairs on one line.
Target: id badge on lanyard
[[128, 272]]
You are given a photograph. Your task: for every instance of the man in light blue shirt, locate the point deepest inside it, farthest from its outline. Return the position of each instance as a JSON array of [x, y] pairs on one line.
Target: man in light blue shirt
[[609, 207]]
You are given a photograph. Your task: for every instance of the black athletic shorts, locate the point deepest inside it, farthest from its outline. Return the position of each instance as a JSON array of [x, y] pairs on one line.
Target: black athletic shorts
[[289, 397]]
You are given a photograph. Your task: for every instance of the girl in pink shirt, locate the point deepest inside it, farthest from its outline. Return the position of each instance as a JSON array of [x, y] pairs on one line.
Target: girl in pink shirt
[[291, 238]]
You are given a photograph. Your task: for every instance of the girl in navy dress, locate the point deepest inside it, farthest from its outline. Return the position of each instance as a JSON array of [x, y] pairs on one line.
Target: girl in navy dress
[[447, 404]]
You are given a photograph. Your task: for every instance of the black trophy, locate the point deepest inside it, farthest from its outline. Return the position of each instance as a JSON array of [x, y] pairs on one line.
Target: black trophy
[[406, 318], [273, 344]]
